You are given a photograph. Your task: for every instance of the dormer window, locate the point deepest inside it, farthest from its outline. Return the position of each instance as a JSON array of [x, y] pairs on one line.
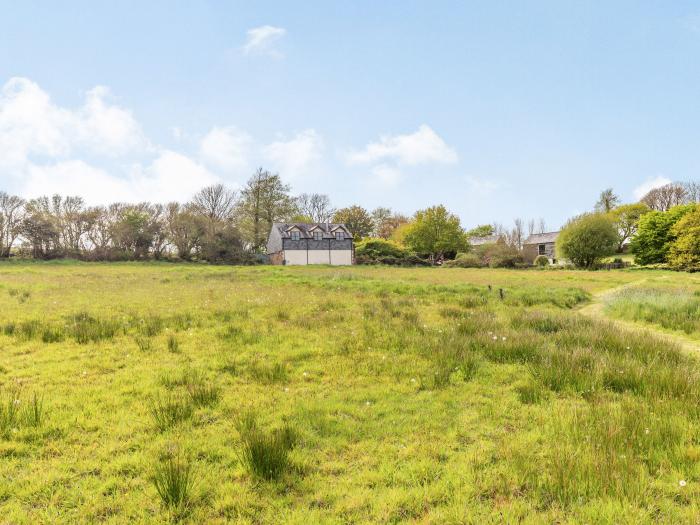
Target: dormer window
[[318, 235], [339, 236], [296, 235]]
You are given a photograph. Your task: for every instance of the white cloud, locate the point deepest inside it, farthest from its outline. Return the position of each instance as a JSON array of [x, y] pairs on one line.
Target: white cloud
[[73, 177], [422, 147], [261, 41], [49, 149], [170, 177], [295, 157], [648, 185], [32, 126], [386, 176], [226, 148]]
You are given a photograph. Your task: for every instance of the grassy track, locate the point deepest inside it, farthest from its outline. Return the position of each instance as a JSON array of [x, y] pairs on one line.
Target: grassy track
[[151, 393]]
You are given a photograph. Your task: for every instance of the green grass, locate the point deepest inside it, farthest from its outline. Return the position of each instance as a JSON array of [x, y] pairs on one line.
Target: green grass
[[669, 307], [339, 395]]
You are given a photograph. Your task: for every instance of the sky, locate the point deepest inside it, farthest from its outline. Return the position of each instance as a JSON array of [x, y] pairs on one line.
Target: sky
[[495, 109]]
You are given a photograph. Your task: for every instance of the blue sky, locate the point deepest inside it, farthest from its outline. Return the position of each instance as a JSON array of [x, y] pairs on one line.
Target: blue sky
[[496, 109]]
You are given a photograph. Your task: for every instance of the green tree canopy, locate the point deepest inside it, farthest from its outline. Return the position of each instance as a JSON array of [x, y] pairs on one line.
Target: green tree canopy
[[357, 219], [264, 200], [626, 219], [685, 250], [435, 232], [655, 235], [607, 201], [483, 230], [586, 239]]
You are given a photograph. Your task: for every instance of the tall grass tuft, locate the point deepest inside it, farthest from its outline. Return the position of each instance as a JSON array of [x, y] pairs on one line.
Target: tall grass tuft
[[265, 454], [204, 394], [173, 344], [143, 343], [9, 411], [170, 410], [34, 412], [269, 373], [174, 481]]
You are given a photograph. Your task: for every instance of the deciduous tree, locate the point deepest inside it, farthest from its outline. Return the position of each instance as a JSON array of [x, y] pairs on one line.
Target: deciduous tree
[[586, 239]]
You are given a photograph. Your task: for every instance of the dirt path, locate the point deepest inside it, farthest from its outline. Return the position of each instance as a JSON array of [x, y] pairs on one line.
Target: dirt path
[[596, 309]]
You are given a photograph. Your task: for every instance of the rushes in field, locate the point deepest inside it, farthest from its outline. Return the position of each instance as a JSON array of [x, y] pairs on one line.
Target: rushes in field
[[272, 373], [14, 412], [170, 410], [143, 343], [174, 481], [265, 454], [531, 392], [9, 411], [87, 329], [203, 394], [34, 412], [173, 344]]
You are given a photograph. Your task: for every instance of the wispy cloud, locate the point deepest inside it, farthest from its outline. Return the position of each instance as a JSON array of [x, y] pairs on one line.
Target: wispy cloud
[[422, 147], [296, 156], [261, 41], [648, 185]]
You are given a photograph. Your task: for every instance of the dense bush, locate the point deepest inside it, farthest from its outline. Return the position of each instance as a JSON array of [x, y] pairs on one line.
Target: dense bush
[[373, 249], [541, 261], [586, 239], [466, 260], [380, 251], [656, 234], [499, 255]]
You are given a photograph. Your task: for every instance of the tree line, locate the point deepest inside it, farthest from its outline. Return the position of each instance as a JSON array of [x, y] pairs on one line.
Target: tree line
[[217, 225], [663, 228]]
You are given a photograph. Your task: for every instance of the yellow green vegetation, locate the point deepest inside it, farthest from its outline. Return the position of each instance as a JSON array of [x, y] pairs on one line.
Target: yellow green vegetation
[[148, 393]]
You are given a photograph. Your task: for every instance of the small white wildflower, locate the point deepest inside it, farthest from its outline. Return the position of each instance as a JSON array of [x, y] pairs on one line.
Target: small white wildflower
[[646, 430], [368, 403], [495, 338], [503, 338], [305, 374], [413, 380], [682, 483]]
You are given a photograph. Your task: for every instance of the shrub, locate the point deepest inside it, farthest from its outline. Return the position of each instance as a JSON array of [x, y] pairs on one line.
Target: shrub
[[542, 261], [265, 454], [499, 255], [586, 239], [373, 249], [174, 481], [465, 260]]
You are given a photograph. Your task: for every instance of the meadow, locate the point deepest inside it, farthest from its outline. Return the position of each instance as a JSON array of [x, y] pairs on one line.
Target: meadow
[[160, 393]]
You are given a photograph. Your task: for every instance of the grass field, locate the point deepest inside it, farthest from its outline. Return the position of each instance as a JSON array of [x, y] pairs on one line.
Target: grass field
[[152, 393], [674, 306]]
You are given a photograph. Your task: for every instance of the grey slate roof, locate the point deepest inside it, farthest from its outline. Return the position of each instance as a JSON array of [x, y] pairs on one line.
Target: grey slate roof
[[307, 229], [542, 238]]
